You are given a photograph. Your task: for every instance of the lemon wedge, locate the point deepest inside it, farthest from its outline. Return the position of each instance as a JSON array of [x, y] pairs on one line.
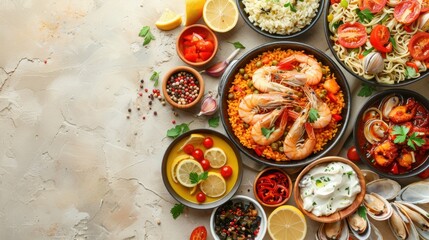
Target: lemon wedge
[[214, 185], [287, 223], [216, 157], [184, 168], [194, 11], [169, 20], [220, 15], [194, 139]]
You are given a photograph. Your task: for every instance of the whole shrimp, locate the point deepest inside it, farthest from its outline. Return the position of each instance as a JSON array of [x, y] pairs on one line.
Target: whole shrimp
[[295, 146], [268, 79], [309, 67], [322, 108], [268, 122], [253, 107], [403, 113]]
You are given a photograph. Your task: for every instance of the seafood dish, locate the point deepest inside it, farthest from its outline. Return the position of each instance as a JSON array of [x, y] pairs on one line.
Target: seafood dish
[[285, 105], [392, 133], [383, 42]]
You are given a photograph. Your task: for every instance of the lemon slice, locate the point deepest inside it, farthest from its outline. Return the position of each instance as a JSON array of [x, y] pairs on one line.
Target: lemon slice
[[194, 139], [184, 168], [287, 223], [220, 15], [194, 11], [214, 185], [169, 20], [175, 163], [216, 157]]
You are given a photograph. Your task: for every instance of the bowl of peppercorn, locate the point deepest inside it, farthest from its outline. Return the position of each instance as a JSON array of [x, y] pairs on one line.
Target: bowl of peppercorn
[[183, 87]]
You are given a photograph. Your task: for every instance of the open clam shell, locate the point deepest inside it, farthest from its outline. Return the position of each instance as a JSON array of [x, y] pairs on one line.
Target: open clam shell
[[416, 193], [401, 224], [359, 224], [369, 175], [378, 207], [330, 231], [418, 216], [384, 187]]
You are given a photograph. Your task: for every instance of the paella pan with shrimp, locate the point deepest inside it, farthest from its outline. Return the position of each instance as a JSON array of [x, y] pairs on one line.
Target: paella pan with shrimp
[[285, 105]]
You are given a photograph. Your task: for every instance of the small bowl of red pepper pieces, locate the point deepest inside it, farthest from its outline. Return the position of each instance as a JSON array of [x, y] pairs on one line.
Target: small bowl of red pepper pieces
[[196, 45], [272, 187]]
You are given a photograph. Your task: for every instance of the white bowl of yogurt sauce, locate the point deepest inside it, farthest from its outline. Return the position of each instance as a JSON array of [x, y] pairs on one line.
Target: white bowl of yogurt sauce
[[329, 189]]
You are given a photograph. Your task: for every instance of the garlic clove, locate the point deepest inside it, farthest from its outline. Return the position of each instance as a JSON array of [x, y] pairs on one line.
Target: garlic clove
[[373, 63], [208, 106], [217, 69]]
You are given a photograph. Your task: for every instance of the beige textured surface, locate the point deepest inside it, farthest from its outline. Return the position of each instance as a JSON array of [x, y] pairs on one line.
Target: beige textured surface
[[72, 166]]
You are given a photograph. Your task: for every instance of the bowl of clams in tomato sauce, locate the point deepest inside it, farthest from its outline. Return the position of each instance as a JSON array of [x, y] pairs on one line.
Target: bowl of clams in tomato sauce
[[392, 133]]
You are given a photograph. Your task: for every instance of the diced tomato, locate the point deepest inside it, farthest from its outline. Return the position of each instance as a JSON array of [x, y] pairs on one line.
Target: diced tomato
[[191, 57], [352, 35], [379, 38], [413, 65], [196, 48], [374, 6], [407, 11], [205, 55], [394, 168], [337, 117], [419, 46], [259, 150], [190, 49], [205, 46]]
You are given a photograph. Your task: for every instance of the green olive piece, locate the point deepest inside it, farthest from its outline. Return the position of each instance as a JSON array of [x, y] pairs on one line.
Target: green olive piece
[[241, 71], [274, 146], [274, 63], [231, 96], [281, 149], [258, 64], [246, 76]]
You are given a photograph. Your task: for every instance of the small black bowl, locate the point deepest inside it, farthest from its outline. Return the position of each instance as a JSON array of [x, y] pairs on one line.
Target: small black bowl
[[259, 30], [372, 82], [228, 79], [359, 138]]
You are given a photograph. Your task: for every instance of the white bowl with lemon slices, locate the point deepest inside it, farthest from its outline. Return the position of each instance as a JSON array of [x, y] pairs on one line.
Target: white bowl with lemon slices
[[202, 169]]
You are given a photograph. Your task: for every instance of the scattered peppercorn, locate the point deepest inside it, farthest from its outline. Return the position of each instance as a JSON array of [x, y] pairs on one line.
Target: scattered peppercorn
[[173, 122], [129, 110], [142, 81], [155, 113]]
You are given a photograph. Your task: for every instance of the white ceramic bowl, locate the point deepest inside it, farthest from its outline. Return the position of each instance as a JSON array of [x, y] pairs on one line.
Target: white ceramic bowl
[[246, 200]]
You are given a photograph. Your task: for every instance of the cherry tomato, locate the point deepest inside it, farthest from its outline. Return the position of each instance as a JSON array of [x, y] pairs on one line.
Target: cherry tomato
[[226, 171], [424, 174], [335, 1], [188, 149], [380, 37], [352, 35], [205, 164], [198, 154], [419, 46], [201, 197], [374, 6], [407, 11], [208, 142], [199, 233], [352, 154]]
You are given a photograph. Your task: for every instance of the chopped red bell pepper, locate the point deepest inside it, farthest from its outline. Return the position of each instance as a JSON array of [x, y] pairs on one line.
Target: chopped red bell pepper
[[337, 117]]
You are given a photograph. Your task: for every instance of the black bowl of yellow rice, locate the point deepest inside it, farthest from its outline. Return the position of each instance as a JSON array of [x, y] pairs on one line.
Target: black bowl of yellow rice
[[281, 147]]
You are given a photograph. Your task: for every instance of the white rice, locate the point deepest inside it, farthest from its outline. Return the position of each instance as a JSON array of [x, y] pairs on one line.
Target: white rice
[[272, 15]]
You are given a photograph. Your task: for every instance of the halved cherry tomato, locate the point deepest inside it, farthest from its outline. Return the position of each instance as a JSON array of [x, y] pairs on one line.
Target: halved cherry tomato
[[205, 164], [208, 142], [379, 38], [352, 154], [226, 171], [407, 11], [201, 197], [199, 233], [374, 6], [352, 35], [419, 46], [198, 154], [188, 149]]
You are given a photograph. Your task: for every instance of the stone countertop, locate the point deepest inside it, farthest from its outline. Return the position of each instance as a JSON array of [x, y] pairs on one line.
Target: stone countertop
[[74, 163]]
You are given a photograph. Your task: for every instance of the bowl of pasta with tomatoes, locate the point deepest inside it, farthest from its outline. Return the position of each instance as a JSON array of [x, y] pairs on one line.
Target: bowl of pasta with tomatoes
[[382, 43]]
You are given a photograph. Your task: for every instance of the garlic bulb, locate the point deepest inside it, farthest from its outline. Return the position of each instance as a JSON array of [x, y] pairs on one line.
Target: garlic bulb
[[373, 63], [208, 106], [423, 22]]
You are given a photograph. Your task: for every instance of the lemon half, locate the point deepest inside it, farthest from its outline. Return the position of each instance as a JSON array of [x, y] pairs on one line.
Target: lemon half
[[220, 15], [287, 223]]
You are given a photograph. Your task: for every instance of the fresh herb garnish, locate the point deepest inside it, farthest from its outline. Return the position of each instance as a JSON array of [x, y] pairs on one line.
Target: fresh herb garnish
[[155, 78], [319, 183], [147, 35], [410, 72], [238, 45], [401, 133], [314, 203], [292, 7], [367, 51], [178, 130], [214, 122], [362, 212], [364, 15], [349, 174], [393, 41], [313, 115], [366, 90], [413, 139], [267, 132], [177, 209], [337, 24], [196, 178], [348, 190]]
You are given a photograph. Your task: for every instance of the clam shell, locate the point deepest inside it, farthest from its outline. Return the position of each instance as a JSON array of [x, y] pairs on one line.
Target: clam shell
[[385, 215], [416, 193], [366, 233], [344, 235], [369, 175], [384, 187], [423, 231], [398, 224], [411, 228], [375, 233]]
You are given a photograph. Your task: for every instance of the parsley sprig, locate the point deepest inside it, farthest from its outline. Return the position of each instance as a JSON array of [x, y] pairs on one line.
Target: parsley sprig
[[401, 135], [147, 35], [366, 90], [291, 6], [362, 212], [178, 130], [214, 122], [313, 115], [155, 78], [267, 132], [238, 45], [177, 209], [364, 15], [196, 178]]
